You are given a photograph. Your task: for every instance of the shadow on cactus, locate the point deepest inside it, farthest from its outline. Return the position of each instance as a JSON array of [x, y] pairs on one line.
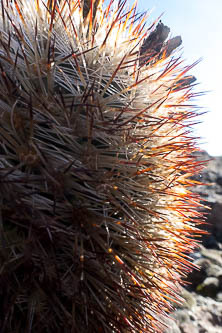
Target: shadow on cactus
[[97, 219]]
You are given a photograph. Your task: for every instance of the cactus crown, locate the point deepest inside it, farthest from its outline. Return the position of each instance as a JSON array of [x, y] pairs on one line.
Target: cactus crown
[[96, 158]]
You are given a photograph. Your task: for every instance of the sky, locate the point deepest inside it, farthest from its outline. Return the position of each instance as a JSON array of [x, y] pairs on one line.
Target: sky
[[199, 23]]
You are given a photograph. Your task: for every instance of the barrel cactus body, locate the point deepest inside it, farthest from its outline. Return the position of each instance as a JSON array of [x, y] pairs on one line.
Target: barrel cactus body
[[97, 219]]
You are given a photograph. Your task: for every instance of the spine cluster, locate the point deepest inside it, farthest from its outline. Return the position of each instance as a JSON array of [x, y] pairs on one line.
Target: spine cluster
[[96, 159]]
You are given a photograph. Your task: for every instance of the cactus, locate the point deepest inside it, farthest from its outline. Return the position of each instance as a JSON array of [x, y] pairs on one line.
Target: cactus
[[97, 216]]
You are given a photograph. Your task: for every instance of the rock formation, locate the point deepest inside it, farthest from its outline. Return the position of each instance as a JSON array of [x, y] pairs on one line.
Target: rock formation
[[202, 310]]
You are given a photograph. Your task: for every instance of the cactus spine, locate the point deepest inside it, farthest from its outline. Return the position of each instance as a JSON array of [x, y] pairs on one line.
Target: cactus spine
[[96, 156]]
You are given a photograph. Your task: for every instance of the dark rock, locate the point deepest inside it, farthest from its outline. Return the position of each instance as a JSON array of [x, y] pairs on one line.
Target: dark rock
[[215, 219], [209, 241], [219, 180], [196, 277], [209, 287], [201, 311]]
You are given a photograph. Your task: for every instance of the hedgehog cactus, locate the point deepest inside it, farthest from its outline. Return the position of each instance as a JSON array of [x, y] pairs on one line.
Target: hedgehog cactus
[[96, 151]]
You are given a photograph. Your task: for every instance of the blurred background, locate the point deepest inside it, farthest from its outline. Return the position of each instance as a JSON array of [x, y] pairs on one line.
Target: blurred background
[[199, 23]]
